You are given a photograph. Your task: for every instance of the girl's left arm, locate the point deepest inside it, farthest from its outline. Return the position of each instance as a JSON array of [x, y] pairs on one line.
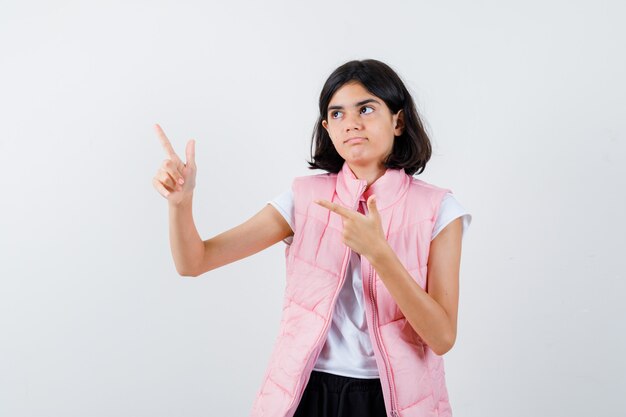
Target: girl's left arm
[[431, 313]]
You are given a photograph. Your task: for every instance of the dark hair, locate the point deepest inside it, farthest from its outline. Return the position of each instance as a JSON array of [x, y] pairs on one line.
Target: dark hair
[[411, 150]]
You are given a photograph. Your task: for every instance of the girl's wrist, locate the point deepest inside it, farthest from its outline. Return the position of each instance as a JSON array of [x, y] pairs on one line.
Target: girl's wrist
[[379, 252], [182, 204]]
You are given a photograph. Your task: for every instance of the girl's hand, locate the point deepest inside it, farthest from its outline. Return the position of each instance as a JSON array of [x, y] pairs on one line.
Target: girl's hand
[[363, 234], [175, 180]]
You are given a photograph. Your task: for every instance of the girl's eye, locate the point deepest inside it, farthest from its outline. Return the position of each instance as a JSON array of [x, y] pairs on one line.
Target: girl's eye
[[335, 113]]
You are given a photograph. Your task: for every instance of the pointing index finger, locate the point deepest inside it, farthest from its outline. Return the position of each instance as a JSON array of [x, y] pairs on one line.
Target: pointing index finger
[[165, 141], [342, 211]]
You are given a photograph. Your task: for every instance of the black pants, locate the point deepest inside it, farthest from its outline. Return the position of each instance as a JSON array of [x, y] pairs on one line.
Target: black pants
[[329, 395]]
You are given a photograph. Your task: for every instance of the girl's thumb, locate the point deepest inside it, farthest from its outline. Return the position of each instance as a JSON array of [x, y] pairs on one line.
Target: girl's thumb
[[190, 152], [371, 204]]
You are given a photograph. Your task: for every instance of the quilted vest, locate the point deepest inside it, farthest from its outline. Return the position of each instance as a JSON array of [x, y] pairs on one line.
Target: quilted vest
[[411, 374]]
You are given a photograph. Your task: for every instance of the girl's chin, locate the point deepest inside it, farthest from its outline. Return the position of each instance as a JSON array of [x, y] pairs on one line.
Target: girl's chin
[[359, 156]]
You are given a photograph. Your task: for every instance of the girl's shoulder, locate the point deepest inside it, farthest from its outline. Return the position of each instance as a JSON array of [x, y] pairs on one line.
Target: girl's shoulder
[[421, 191], [324, 176], [421, 184], [308, 183]]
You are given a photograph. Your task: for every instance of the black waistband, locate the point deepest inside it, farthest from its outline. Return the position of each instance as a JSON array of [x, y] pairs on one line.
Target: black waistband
[[339, 383]]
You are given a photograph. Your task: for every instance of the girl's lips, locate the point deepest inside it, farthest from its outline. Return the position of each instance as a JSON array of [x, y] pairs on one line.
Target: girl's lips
[[355, 140]]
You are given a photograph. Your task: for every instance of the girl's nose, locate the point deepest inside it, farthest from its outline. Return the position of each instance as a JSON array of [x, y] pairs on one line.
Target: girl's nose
[[353, 121]]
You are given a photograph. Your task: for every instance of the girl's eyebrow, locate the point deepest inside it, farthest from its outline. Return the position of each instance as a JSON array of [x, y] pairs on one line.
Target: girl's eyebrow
[[360, 103]]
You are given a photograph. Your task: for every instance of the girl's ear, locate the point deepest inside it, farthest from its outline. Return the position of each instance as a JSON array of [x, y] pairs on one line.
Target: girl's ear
[[325, 124], [398, 120]]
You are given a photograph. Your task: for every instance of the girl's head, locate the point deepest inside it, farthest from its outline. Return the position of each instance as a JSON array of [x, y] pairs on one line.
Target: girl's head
[[366, 99]]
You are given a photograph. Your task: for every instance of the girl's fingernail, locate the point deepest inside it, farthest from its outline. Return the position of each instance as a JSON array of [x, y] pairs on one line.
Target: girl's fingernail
[[180, 180]]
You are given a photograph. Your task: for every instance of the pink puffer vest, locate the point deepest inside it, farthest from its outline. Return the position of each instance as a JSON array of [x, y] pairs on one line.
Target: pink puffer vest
[[411, 374]]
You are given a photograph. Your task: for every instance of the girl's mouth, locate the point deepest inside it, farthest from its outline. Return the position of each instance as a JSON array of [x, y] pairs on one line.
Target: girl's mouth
[[355, 140]]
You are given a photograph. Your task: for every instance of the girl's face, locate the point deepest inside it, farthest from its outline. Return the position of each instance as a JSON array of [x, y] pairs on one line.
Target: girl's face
[[361, 126]]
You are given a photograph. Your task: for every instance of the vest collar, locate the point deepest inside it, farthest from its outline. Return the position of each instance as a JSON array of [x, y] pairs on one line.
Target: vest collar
[[388, 188]]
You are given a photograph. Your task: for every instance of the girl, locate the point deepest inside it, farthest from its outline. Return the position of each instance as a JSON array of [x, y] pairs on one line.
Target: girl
[[373, 258]]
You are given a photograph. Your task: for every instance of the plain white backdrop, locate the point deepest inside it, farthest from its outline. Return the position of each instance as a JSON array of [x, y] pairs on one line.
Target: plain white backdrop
[[525, 103]]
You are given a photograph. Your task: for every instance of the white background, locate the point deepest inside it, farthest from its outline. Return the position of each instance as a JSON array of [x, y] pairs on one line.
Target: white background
[[525, 104]]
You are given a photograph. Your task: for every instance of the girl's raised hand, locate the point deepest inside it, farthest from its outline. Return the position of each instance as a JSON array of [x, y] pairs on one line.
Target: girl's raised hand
[[175, 180]]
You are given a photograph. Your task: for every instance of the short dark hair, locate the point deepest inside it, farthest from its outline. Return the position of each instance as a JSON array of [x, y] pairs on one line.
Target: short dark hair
[[411, 150]]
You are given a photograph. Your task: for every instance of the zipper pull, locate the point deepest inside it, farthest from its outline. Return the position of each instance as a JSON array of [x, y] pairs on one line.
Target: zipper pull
[[359, 195], [394, 413]]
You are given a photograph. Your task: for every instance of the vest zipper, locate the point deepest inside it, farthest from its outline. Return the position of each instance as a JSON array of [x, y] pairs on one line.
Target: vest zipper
[[394, 406]]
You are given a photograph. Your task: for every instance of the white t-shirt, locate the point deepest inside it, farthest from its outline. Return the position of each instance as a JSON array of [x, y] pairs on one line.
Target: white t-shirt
[[348, 349]]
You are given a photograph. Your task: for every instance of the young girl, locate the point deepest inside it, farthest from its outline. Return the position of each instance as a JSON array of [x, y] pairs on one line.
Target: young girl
[[373, 258]]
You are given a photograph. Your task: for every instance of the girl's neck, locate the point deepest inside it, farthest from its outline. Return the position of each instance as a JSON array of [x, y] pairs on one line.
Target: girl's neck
[[370, 174]]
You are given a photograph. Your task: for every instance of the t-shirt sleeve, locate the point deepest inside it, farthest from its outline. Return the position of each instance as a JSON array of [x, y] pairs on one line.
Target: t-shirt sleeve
[[284, 204], [449, 210]]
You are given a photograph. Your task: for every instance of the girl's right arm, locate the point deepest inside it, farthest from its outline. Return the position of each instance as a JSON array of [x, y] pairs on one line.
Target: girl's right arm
[[261, 231], [192, 256]]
